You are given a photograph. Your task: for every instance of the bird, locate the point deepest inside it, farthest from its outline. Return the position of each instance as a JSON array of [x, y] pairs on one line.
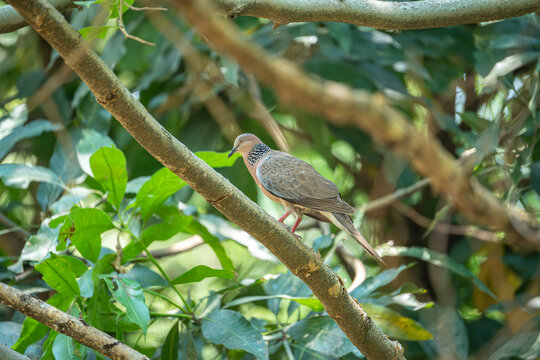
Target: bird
[[300, 188]]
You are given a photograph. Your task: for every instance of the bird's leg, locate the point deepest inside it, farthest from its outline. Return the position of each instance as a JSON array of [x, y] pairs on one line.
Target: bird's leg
[[286, 215], [296, 223]]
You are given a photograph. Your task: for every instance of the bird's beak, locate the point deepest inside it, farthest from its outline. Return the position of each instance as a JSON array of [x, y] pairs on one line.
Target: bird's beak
[[232, 151]]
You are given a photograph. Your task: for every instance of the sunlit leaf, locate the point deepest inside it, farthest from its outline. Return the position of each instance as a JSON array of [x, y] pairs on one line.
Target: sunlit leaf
[[155, 191], [64, 348], [396, 325], [89, 224], [108, 166], [20, 176], [32, 129], [510, 64], [311, 302], [169, 350], [217, 159]]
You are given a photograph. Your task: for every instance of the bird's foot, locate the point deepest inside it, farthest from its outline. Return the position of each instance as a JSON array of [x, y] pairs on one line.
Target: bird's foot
[[286, 226], [297, 236]]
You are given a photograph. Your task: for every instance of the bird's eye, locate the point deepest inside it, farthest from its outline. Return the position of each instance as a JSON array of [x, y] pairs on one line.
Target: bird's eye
[[241, 141]]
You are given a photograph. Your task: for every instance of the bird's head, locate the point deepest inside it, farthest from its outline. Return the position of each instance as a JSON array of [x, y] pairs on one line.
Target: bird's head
[[244, 143]]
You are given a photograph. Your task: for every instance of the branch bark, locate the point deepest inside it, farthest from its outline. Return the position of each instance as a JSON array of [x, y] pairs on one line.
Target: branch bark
[[300, 259], [344, 106], [67, 324], [10, 20], [390, 15]]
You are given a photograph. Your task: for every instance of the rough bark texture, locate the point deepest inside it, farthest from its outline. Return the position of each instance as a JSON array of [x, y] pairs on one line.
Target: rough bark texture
[[344, 106], [391, 15], [218, 191], [67, 324]]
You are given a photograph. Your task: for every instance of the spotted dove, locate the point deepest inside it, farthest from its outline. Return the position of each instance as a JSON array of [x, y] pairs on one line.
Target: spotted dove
[[298, 187]]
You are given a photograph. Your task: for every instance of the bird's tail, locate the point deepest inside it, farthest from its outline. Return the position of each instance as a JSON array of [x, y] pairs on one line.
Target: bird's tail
[[344, 223]]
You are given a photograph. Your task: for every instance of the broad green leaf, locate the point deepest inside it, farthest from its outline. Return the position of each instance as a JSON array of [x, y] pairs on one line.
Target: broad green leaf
[[133, 186], [32, 330], [77, 266], [130, 294], [202, 272], [146, 277], [311, 302], [20, 176], [64, 348], [396, 325], [169, 350], [288, 284], [155, 191], [438, 259], [32, 129], [521, 346], [373, 283], [108, 166], [197, 228], [217, 159], [231, 329], [17, 117], [89, 224], [58, 274], [171, 225], [323, 335]]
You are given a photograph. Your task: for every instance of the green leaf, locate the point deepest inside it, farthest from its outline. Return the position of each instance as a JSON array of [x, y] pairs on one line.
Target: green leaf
[[32, 330], [172, 225], [32, 129], [231, 329], [217, 159], [155, 191], [169, 351], [77, 266], [311, 302], [89, 224], [108, 166], [198, 229], [94, 32], [59, 275], [396, 325], [202, 272], [130, 294], [64, 348], [20, 176], [438, 259], [323, 335]]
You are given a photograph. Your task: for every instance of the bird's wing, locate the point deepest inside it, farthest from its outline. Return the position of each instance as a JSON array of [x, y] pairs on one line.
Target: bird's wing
[[296, 181]]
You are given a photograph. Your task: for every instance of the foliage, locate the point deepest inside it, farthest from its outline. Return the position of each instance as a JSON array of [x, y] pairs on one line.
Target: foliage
[[99, 209]]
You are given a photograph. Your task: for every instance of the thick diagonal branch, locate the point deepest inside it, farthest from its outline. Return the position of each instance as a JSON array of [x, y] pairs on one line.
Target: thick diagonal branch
[[67, 324], [344, 106], [300, 259]]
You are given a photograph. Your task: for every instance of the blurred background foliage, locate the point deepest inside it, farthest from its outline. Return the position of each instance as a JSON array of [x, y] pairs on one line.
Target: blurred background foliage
[[451, 290]]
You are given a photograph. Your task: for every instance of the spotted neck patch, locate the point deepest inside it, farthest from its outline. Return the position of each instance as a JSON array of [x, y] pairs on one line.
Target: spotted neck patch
[[256, 152]]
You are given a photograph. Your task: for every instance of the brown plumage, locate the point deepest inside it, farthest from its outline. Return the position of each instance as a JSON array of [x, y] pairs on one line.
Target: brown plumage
[[298, 187]]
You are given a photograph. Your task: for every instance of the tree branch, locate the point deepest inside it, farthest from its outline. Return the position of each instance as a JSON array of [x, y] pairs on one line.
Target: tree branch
[[391, 15], [67, 324], [300, 259], [10, 20], [344, 106]]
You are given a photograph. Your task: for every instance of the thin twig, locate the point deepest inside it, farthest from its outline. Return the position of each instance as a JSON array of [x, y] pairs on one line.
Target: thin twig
[[390, 198], [353, 265], [466, 230], [122, 28]]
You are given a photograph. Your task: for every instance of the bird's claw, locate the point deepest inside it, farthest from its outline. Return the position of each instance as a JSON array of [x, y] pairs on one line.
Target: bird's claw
[[286, 226]]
